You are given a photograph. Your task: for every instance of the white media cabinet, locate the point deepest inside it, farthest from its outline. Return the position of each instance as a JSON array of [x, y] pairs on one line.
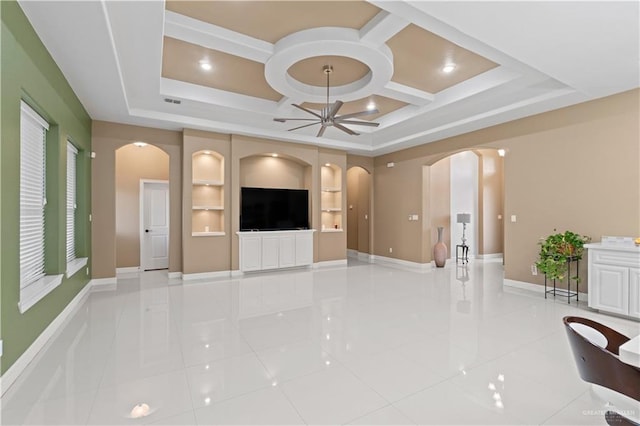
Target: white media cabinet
[[265, 250], [614, 278]]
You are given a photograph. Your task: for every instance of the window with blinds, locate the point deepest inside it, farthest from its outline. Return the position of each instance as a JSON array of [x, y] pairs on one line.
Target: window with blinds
[[33, 130], [72, 154]]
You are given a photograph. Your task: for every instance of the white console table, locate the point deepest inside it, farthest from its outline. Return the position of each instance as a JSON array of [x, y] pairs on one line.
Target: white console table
[[265, 250], [614, 278]]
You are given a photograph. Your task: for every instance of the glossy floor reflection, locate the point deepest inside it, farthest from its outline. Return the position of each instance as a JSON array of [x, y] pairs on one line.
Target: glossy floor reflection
[[363, 344]]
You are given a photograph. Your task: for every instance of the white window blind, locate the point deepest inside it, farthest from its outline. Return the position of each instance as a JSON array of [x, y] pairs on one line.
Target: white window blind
[[72, 154], [33, 130]]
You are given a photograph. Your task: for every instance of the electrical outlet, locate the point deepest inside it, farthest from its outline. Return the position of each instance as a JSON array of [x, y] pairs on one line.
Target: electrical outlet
[[534, 269], [0, 348], [390, 250], [513, 218]]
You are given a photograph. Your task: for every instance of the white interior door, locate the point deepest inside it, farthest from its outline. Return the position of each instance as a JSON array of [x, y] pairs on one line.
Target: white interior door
[[154, 240]]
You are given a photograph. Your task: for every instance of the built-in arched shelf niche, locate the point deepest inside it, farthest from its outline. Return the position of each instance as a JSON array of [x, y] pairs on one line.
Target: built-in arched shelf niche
[[270, 170], [331, 198], [207, 196]]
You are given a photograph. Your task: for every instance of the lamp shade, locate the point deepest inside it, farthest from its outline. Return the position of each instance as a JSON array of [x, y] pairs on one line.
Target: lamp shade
[[464, 217]]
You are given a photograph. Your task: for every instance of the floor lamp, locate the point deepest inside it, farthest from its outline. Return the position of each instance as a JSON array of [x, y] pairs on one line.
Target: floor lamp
[[464, 218]]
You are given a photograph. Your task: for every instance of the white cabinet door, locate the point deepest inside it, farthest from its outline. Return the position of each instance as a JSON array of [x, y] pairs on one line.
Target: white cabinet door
[[250, 254], [304, 249], [270, 252], [287, 251], [610, 287], [634, 292]]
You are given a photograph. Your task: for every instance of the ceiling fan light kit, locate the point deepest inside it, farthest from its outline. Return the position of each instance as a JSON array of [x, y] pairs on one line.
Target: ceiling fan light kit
[[327, 116]]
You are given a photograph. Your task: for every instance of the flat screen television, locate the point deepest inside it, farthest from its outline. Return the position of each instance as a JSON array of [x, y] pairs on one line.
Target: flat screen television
[[273, 209]]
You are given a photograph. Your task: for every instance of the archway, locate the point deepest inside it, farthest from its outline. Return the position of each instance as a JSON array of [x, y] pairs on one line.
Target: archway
[[469, 182], [135, 163], [358, 212]]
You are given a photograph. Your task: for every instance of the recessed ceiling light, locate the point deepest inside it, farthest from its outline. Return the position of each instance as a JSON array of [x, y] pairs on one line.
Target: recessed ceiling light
[[449, 68], [327, 164], [274, 155], [140, 144], [206, 65], [501, 152], [207, 152], [371, 106]]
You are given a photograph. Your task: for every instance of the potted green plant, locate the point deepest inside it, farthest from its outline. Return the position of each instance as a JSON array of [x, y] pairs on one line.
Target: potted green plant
[[557, 250]]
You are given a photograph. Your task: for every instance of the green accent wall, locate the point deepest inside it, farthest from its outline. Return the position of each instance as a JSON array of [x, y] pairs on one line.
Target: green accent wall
[[29, 73]]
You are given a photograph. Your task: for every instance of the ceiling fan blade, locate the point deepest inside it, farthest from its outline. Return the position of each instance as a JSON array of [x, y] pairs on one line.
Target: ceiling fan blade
[[282, 120], [344, 129], [307, 110], [333, 110], [359, 114], [306, 125], [357, 123], [321, 131]]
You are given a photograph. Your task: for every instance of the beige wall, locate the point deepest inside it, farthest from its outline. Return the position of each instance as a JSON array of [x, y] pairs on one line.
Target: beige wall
[[205, 253], [397, 194], [491, 202], [575, 168], [268, 172], [133, 164], [106, 139], [440, 200]]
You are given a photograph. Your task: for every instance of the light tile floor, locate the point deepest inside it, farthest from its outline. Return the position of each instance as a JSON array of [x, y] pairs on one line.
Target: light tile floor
[[363, 344]]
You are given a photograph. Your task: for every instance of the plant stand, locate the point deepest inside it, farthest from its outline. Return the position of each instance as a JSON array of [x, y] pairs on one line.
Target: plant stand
[[560, 291]]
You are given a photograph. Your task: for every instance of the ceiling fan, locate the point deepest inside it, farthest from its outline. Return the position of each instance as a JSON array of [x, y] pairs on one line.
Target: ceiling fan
[[327, 116]]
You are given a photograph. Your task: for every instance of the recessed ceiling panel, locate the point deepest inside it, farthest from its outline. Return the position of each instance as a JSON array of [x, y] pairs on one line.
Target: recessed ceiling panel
[[182, 61], [272, 20], [419, 56], [345, 70], [383, 104]]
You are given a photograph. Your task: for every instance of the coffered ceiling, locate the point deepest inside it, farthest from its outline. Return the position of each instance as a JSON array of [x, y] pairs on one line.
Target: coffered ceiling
[[233, 66]]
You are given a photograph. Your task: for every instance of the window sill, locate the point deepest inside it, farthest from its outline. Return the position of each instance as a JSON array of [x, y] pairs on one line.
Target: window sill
[[35, 291], [75, 265]]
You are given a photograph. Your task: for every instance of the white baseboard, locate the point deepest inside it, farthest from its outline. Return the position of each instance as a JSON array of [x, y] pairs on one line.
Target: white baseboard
[[489, 256], [175, 275], [128, 270], [10, 376], [523, 285], [206, 275], [103, 284], [363, 257], [389, 261], [330, 263]]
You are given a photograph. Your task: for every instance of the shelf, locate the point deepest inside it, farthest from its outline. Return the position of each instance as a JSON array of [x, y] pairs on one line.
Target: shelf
[[331, 189], [204, 182], [332, 210], [208, 234], [207, 208], [332, 230]]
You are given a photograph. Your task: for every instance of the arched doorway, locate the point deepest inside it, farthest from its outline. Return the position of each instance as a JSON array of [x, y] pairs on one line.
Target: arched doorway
[[140, 169], [469, 182], [358, 212]]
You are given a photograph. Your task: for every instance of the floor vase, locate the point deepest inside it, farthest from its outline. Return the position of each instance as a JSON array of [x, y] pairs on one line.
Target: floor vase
[[440, 250]]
